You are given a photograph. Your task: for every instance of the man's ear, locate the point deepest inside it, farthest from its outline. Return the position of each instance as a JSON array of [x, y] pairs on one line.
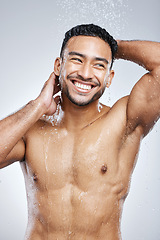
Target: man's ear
[[57, 66], [110, 77]]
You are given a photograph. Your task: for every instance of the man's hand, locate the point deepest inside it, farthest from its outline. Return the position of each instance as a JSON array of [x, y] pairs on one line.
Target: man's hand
[[14, 127], [46, 97]]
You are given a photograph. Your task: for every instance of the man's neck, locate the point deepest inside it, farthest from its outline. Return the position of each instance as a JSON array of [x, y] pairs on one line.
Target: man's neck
[[76, 118]]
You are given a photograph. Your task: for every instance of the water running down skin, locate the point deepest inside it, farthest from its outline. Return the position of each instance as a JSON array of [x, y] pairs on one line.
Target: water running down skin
[[77, 170]]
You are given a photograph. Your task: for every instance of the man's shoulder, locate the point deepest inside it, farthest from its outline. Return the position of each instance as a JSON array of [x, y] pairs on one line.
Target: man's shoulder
[[121, 103], [116, 116], [114, 119], [119, 106], [41, 126]]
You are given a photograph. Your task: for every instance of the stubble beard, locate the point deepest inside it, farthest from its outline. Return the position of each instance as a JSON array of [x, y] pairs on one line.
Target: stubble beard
[[95, 97]]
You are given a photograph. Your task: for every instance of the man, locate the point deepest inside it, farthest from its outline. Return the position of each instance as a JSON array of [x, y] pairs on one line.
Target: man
[[78, 162]]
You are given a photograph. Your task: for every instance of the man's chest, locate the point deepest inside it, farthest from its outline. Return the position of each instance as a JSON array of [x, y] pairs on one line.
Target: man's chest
[[86, 159]]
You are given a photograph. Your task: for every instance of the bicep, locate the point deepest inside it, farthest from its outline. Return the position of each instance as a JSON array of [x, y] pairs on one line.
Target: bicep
[[16, 154], [143, 107]]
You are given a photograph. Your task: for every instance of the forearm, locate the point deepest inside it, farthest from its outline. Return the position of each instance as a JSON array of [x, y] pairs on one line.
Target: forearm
[[13, 128], [144, 53]]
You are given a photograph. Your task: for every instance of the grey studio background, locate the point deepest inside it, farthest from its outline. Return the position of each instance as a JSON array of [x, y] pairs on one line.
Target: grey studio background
[[31, 37]]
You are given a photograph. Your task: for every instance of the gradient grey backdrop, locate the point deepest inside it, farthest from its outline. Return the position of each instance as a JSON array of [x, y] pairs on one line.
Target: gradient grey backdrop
[[31, 36]]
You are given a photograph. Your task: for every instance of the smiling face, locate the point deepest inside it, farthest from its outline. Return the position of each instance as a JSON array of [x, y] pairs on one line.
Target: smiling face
[[84, 71]]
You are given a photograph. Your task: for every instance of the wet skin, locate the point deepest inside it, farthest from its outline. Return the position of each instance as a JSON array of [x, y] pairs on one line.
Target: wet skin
[[70, 193], [78, 171], [78, 164]]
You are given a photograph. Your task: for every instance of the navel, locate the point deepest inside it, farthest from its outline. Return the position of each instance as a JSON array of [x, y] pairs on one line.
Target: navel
[[104, 169]]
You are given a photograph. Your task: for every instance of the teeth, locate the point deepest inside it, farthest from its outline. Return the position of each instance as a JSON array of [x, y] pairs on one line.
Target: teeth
[[82, 86]]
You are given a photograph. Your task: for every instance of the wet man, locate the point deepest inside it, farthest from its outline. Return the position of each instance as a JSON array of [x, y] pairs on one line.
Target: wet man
[[78, 163]]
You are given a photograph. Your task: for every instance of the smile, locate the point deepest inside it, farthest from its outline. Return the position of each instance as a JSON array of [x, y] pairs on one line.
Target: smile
[[82, 86]]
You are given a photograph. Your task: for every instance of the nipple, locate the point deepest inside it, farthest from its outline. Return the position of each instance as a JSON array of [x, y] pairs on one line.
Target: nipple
[[34, 177], [103, 169]]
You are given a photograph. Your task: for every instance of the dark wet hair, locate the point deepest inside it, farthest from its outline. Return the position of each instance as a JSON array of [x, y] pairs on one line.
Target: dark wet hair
[[90, 30]]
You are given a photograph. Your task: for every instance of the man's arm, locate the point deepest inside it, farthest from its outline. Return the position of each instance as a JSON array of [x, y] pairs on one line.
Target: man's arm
[[13, 128], [143, 108]]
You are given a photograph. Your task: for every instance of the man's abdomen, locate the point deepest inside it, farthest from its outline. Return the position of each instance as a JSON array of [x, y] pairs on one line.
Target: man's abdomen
[[70, 213]]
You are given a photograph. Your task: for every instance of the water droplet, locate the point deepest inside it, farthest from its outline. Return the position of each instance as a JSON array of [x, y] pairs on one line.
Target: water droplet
[[99, 107], [109, 13]]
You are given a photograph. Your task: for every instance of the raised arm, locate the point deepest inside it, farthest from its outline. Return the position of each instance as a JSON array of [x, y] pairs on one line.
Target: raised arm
[[13, 128], [143, 108]]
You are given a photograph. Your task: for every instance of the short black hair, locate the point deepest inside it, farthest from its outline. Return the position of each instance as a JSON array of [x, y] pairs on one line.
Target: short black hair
[[93, 31]]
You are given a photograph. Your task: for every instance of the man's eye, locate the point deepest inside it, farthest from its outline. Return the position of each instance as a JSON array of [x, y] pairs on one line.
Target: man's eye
[[76, 60], [100, 65]]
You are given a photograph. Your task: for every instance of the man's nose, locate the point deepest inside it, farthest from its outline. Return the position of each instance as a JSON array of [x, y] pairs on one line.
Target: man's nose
[[86, 71]]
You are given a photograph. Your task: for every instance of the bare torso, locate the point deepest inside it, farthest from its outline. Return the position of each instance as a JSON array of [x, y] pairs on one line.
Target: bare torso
[[77, 181]]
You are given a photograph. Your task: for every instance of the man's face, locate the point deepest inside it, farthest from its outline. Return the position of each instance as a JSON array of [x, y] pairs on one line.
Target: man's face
[[85, 69]]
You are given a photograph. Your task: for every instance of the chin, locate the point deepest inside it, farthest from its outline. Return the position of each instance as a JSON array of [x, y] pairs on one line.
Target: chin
[[83, 102], [80, 103]]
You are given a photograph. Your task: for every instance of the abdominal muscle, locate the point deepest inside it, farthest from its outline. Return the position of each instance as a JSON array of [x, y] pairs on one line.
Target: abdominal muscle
[[70, 194], [69, 213]]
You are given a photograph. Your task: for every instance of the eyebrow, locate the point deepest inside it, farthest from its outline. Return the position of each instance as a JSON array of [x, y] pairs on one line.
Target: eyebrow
[[84, 56]]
